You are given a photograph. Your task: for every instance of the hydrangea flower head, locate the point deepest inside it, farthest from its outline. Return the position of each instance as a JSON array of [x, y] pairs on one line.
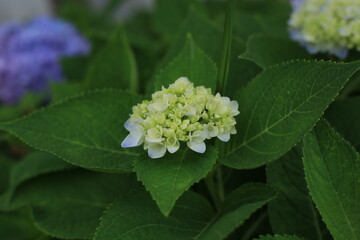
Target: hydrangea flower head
[[326, 26], [30, 53], [180, 113]]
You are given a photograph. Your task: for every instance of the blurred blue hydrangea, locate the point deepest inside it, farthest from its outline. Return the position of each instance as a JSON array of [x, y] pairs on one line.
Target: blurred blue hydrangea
[[30, 54]]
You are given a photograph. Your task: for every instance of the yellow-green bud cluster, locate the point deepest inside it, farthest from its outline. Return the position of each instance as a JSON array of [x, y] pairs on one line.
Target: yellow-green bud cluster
[[326, 26], [180, 113]]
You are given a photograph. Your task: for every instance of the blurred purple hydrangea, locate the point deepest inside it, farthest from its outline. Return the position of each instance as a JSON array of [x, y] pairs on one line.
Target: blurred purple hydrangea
[[296, 3], [30, 54]]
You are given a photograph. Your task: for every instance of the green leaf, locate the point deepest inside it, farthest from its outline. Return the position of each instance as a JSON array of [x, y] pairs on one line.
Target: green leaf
[[114, 66], [243, 73], [65, 90], [238, 206], [344, 116], [332, 170], [68, 204], [266, 51], [76, 213], [86, 131], [5, 167], [136, 216], [207, 36], [17, 226], [193, 63], [169, 177], [293, 211], [33, 165], [279, 237], [168, 14], [74, 68], [280, 106]]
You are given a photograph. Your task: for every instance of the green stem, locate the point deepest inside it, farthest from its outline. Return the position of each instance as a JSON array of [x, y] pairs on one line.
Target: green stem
[[211, 186], [251, 230], [216, 188], [224, 64], [220, 183]]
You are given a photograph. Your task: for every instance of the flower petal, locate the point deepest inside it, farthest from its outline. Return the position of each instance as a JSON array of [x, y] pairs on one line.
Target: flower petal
[[131, 141], [173, 148], [127, 124], [225, 137], [156, 150], [197, 147]]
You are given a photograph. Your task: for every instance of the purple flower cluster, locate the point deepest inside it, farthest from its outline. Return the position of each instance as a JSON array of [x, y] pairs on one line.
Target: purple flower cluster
[[30, 54], [296, 3]]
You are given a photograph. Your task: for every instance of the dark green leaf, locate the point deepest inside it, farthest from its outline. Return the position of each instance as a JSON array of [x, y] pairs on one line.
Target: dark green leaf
[[280, 106], [85, 131], [114, 66], [136, 216], [33, 165], [193, 63], [169, 177], [279, 237], [65, 90], [17, 226], [207, 36], [238, 206], [344, 115], [74, 68], [332, 169], [266, 51], [69, 204], [5, 167], [293, 211], [168, 14]]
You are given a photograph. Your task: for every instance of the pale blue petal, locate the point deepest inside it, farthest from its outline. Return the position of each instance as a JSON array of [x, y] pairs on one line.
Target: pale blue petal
[[197, 147]]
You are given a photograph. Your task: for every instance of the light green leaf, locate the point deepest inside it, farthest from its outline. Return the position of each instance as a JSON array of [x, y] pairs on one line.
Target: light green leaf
[[293, 211], [280, 106], [114, 66], [169, 177], [68, 204], [136, 216], [193, 63], [86, 131], [17, 226], [266, 51], [332, 170], [238, 206], [33, 165], [344, 116], [279, 237]]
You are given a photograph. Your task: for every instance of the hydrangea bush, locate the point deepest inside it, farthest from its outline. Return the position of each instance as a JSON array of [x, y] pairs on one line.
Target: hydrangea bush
[[200, 120]]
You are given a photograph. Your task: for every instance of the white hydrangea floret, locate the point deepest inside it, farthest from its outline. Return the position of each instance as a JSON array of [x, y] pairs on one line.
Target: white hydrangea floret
[[180, 113]]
